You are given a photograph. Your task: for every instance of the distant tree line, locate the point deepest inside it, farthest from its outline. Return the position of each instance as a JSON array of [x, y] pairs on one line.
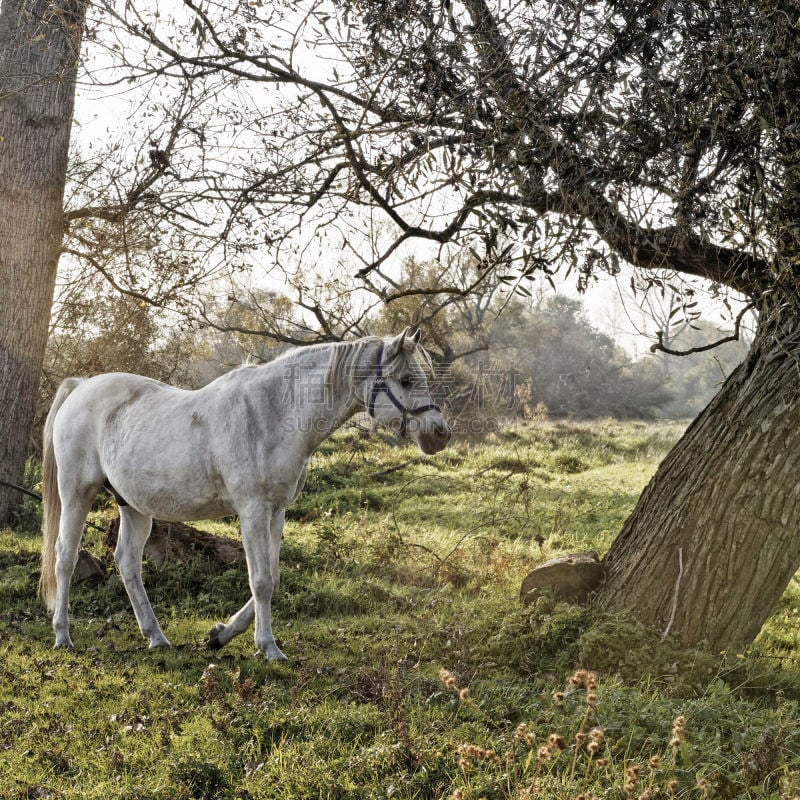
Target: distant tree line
[[534, 359], [571, 368]]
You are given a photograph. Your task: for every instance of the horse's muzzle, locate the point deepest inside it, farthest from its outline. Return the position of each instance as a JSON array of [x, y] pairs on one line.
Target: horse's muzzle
[[433, 438]]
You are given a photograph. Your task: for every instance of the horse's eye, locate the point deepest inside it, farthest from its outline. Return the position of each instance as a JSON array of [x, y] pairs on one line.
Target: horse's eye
[[405, 382]]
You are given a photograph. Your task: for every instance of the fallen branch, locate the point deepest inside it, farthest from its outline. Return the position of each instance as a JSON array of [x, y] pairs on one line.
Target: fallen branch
[[38, 497], [396, 467]]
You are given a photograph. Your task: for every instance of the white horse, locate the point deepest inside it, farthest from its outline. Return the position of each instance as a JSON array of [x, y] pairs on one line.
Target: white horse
[[239, 445]]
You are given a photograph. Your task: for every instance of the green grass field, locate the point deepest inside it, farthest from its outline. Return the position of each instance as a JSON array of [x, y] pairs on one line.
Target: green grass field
[[414, 671]]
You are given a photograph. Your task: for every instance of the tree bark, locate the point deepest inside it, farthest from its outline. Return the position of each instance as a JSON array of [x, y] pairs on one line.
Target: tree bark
[[713, 540], [39, 50]]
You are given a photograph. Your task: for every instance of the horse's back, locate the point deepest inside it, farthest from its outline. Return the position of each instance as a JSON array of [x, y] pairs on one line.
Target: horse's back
[[95, 403]]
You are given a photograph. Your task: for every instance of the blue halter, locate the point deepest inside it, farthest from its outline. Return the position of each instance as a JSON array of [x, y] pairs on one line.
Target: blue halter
[[379, 385]]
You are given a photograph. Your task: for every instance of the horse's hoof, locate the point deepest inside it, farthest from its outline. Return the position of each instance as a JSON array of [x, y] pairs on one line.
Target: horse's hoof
[[213, 642], [63, 643], [273, 653], [156, 643]]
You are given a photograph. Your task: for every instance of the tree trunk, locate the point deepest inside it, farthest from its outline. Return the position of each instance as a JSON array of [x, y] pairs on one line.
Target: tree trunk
[[713, 540], [39, 50]]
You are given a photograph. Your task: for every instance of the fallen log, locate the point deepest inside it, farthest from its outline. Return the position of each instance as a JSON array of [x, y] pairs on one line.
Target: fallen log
[[180, 542]]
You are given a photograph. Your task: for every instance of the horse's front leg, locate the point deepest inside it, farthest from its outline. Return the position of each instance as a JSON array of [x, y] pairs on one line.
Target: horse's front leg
[[223, 632], [258, 545]]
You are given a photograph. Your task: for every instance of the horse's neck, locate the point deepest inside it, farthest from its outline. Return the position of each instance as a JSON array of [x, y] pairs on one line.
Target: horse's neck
[[311, 404]]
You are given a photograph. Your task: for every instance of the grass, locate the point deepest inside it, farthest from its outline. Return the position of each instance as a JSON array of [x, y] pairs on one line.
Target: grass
[[414, 672]]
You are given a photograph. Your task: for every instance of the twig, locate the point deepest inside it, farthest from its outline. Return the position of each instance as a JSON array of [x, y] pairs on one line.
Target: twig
[[734, 337], [21, 489], [39, 498], [396, 468], [675, 594]]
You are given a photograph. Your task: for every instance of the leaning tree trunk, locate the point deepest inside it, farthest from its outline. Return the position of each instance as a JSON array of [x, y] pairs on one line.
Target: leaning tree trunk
[[39, 49], [715, 537]]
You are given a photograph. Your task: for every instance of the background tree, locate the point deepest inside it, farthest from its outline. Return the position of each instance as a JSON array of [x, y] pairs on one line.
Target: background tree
[[455, 324], [39, 49], [101, 332], [573, 369]]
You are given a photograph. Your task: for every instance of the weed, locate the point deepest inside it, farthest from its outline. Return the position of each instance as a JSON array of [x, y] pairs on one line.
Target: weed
[[575, 755]]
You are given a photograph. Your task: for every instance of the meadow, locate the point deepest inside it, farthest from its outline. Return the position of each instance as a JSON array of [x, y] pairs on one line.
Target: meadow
[[414, 671]]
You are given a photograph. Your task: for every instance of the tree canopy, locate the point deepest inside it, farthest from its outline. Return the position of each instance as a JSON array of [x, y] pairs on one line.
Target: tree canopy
[[545, 136]]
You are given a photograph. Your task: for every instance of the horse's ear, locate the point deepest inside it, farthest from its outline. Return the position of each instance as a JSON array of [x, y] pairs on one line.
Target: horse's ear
[[416, 337], [395, 347]]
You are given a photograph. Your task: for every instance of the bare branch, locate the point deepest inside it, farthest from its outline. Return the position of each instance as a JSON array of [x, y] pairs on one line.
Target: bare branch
[[658, 347]]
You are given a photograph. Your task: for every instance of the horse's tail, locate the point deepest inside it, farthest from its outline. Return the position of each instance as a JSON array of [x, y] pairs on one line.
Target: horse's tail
[[51, 501]]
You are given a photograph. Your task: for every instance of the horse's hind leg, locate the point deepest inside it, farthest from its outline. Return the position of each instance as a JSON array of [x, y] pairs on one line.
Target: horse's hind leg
[[75, 507], [134, 529]]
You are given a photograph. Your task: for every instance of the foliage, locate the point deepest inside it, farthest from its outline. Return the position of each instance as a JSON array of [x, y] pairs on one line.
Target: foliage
[[564, 363], [393, 568]]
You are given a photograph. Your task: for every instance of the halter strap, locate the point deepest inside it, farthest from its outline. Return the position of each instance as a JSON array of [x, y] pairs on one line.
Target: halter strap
[[379, 385]]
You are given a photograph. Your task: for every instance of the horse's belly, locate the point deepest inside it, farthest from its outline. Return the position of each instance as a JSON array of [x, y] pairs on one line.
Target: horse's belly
[[171, 507], [175, 495]]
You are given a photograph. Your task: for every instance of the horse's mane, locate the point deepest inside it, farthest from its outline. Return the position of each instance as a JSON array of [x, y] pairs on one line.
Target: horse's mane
[[347, 366]]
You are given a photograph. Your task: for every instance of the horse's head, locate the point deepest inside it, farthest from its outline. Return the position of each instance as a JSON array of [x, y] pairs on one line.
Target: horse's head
[[398, 395]]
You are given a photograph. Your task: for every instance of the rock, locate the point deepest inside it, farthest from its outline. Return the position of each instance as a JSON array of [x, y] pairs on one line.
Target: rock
[[181, 542], [572, 578]]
